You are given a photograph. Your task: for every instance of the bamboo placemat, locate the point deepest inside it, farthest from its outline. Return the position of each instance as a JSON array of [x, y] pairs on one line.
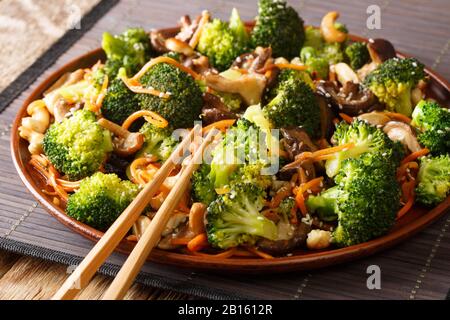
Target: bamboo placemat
[[416, 269]]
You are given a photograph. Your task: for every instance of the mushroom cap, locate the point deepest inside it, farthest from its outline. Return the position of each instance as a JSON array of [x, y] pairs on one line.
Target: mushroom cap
[[403, 133]]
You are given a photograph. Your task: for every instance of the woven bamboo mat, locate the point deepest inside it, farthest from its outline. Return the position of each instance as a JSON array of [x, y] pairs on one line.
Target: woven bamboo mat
[[416, 269]]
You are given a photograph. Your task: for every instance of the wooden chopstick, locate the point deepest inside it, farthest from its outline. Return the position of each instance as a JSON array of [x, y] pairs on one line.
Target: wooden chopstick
[[152, 233], [105, 246]]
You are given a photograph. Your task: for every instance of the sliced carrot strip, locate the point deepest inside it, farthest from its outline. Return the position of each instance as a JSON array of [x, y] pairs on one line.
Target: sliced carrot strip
[[221, 125], [162, 59], [346, 117], [136, 87], [259, 253], [300, 200], [281, 194], [413, 156], [149, 116], [223, 255], [198, 242], [398, 116], [333, 149], [291, 66]]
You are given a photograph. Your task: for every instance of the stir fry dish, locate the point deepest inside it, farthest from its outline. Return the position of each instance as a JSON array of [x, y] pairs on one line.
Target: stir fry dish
[[328, 141]]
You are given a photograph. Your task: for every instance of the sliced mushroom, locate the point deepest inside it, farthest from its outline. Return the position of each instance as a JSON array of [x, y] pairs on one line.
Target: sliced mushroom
[[214, 109], [352, 99], [375, 118], [380, 50], [295, 141], [158, 41], [326, 118], [249, 86], [176, 45], [125, 142], [402, 132], [253, 61], [188, 28], [345, 73], [298, 235]]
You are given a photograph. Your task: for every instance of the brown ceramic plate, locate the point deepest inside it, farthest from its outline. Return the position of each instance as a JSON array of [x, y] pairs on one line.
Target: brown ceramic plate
[[417, 219]]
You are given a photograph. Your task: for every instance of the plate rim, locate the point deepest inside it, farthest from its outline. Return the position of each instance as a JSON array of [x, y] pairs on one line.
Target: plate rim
[[311, 260]]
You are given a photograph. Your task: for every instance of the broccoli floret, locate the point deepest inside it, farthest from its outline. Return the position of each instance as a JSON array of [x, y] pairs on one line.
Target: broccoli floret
[[365, 200], [280, 27], [317, 66], [100, 199], [434, 180], [318, 60], [357, 55], [222, 42], [434, 123], [251, 173], [293, 104], [313, 38], [232, 100], [393, 81], [158, 142], [332, 52], [119, 102], [235, 219], [78, 145], [131, 50], [202, 186], [185, 102], [366, 139], [326, 205]]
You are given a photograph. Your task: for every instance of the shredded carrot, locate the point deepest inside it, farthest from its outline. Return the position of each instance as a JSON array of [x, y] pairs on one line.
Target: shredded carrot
[[336, 121], [180, 241], [223, 255], [149, 116], [259, 253], [283, 153], [163, 59], [413, 156], [300, 200], [281, 194], [242, 253], [295, 176], [221, 125], [196, 36], [311, 184], [346, 117], [402, 170], [291, 66], [332, 149], [136, 87], [198, 242], [408, 205], [304, 187], [398, 116], [294, 219]]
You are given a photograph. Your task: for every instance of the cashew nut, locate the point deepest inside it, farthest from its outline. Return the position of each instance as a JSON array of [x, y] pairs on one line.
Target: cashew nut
[[196, 218], [34, 127], [345, 73], [328, 29], [318, 239]]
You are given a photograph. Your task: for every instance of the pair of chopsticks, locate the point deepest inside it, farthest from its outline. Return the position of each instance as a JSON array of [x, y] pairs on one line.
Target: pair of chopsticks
[[80, 278]]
